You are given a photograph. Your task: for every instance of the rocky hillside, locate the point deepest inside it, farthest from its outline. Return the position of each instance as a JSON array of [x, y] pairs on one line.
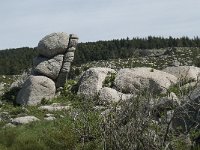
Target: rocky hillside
[[147, 101]]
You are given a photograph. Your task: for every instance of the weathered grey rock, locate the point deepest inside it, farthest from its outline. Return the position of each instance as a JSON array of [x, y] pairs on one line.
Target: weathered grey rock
[[49, 115], [73, 36], [24, 120], [20, 81], [73, 42], [194, 95], [66, 67], [138, 79], [53, 44], [1, 86], [54, 107], [1, 89], [69, 57], [35, 89], [92, 80], [184, 72], [39, 59], [125, 97], [51, 67], [108, 95], [71, 49], [62, 79], [49, 118], [5, 116], [99, 108], [175, 63], [9, 125]]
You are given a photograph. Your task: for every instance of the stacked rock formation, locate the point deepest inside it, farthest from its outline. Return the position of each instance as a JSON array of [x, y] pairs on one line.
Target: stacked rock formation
[[50, 68]]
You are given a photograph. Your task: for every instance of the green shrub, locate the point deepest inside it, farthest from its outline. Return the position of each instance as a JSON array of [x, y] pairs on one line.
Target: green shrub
[[109, 80]]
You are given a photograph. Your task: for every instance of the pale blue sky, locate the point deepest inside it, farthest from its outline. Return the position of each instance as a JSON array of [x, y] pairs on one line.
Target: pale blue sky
[[25, 22]]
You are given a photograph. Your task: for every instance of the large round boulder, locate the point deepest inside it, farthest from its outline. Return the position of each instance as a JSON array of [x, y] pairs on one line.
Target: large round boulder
[[136, 80], [109, 95], [184, 72], [92, 80], [35, 89], [53, 44], [50, 67]]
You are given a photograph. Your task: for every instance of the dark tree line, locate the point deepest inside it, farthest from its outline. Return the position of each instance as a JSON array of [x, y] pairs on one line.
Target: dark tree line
[[14, 61], [124, 48]]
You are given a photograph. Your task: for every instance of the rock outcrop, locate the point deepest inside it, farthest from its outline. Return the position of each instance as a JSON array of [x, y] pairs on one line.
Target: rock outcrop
[[184, 72], [53, 44], [35, 89], [138, 79], [92, 80], [126, 84], [50, 68], [1, 89], [54, 107], [109, 95], [24, 120]]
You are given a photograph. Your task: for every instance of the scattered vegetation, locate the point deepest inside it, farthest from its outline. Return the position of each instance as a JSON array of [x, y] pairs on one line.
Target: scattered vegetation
[[109, 80], [125, 125]]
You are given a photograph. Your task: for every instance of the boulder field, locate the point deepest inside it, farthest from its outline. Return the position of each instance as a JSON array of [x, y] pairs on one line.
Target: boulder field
[[52, 66], [126, 83]]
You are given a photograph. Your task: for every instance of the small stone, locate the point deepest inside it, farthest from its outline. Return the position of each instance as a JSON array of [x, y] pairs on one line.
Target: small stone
[[99, 108], [9, 125], [24, 120], [54, 107], [50, 118], [49, 115]]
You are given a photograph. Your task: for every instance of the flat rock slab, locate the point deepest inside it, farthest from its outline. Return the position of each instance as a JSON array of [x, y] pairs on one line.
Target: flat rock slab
[[24, 120], [49, 118], [54, 107]]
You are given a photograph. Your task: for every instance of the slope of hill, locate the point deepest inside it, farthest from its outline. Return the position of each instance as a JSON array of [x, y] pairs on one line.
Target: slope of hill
[[70, 121], [14, 61]]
